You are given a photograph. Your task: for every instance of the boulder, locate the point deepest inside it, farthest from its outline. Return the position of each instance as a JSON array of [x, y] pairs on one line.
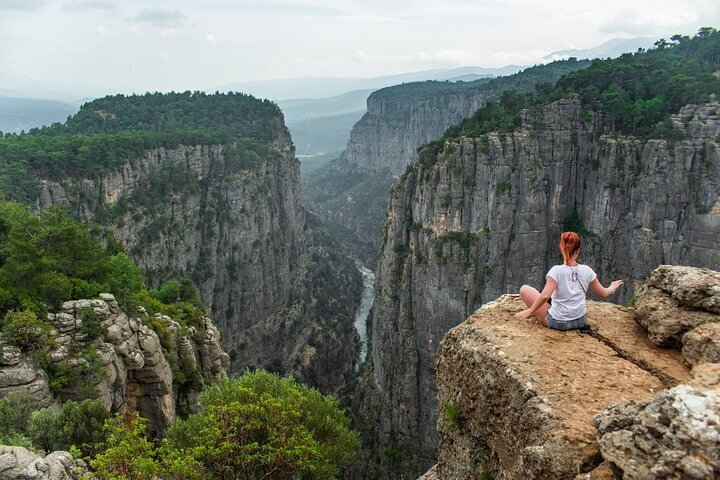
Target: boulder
[[517, 399], [702, 344], [675, 300], [673, 435], [20, 463]]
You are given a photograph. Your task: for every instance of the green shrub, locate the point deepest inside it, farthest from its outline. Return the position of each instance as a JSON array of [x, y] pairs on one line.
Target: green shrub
[[90, 325], [42, 428], [24, 329], [15, 411], [260, 423], [451, 415], [80, 424], [126, 453]]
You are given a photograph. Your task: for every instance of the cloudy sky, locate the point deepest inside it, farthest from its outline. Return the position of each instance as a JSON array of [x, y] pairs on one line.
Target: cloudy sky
[[129, 45]]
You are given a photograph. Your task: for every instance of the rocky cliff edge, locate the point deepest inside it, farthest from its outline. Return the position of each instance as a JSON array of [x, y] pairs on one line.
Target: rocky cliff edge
[[135, 367], [520, 401]]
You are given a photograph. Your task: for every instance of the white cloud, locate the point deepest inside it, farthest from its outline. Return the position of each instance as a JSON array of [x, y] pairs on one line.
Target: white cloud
[[22, 4], [87, 5], [106, 32], [647, 22], [456, 57], [210, 38], [160, 16], [168, 33]]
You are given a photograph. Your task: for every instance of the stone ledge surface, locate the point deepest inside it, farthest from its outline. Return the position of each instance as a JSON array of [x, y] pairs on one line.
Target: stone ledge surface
[[517, 399]]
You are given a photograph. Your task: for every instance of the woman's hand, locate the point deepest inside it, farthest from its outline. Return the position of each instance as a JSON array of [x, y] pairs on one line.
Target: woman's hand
[[523, 314], [615, 285]]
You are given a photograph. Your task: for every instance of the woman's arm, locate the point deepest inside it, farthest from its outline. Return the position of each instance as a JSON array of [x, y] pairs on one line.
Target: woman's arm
[[603, 292], [550, 287]]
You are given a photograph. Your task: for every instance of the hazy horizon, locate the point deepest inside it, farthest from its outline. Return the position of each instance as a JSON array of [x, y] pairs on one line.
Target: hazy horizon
[[188, 45]]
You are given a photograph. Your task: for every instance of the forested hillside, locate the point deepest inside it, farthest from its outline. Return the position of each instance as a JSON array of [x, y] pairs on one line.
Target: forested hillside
[[110, 131], [636, 93]]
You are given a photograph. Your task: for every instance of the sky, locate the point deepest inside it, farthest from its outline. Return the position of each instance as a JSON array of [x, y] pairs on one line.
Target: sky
[[129, 45]]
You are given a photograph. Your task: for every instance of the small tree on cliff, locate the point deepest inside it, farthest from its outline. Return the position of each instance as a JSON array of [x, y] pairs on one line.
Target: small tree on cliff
[[263, 426]]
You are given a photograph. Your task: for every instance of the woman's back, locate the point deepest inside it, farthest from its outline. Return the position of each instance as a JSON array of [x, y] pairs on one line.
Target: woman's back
[[568, 298]]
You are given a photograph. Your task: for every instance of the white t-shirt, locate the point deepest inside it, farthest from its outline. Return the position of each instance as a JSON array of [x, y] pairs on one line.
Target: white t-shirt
[[568, 299]]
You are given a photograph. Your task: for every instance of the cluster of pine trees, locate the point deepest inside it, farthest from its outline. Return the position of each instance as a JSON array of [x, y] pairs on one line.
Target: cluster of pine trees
[[636, 92]]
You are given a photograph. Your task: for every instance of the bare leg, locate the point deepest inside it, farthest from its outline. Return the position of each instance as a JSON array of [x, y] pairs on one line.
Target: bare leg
[[529, 295]]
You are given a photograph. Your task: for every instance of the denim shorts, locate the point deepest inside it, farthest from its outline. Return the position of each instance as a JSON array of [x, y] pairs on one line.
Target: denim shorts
[[566, 324]]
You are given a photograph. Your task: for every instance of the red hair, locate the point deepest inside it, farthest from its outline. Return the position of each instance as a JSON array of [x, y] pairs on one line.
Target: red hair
[[569, 244]]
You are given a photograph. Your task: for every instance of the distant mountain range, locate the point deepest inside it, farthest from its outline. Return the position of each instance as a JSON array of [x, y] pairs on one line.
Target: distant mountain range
[[307, 102], [17, 114], [612, 48], [322, 87]]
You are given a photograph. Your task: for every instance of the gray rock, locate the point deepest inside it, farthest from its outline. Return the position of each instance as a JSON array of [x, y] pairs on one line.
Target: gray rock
[[665, 320], [674, 435], [19, 374], [675, 300], [702, 344], [138, 373], [9, 355], [17, 463], [692, 288]]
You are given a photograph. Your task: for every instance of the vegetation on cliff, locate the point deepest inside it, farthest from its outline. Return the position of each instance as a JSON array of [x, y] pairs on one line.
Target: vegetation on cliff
[[636, 93], [49, 258], [109, 131], [521, 81]]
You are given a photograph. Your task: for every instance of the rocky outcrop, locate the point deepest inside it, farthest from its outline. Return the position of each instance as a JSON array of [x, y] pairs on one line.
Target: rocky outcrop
[[675, 300], [127, 366], [517, 399], [675, 433], [233, 221], [672, 435], [20, 463], [484, 217], [19, 373], [702, 344]]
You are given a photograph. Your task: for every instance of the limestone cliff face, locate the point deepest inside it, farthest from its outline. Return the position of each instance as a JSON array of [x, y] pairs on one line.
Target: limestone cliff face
[[350, 192], [485, 218], [241, 234], [133, 367], [388, 135]]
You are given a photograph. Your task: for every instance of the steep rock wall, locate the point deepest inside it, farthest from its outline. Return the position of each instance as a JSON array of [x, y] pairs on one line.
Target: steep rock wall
[[485, 218], [233, 221], [388, 135]]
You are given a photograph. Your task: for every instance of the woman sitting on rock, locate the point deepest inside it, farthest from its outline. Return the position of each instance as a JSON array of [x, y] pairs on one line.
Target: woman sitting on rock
[[566, 286]]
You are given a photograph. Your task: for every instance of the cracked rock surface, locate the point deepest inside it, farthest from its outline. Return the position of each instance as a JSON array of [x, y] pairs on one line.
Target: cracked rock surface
[[517, 399]]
